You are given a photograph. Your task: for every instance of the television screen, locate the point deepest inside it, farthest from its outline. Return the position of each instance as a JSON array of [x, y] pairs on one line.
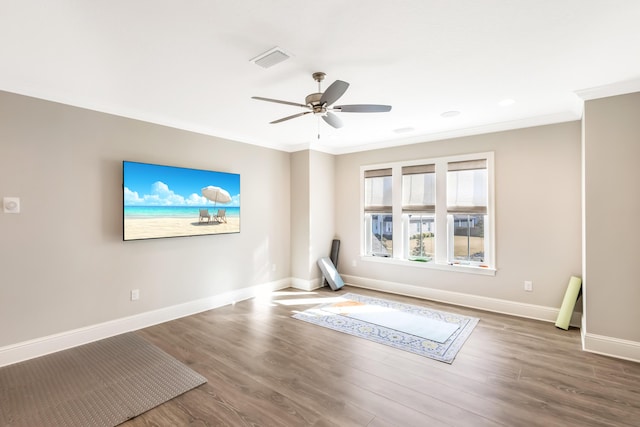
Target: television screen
[[167, 201]]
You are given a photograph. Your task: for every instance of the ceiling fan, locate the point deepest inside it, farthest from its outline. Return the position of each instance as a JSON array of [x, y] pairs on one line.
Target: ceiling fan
[[322, 103]]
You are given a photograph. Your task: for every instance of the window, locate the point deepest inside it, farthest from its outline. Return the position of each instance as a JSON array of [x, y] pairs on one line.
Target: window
[[466, 238], [438, 212], [418, 211], [467, 210], [378, 219], [421, 237]]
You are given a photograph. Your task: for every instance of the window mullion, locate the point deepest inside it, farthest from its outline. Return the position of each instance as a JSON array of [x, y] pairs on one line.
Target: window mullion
[[490, 221], [441, 212], [398, 240]]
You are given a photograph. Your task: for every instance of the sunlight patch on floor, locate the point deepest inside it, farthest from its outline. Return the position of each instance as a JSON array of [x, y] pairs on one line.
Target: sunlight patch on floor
[[309, 301]]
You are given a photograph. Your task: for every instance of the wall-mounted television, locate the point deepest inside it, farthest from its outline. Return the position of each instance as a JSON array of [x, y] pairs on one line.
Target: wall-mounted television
[[168, 201]]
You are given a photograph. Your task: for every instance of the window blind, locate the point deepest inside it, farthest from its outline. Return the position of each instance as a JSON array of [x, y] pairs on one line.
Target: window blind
[[377, 191], [419, 189], [467, 187], [467, 165], [377, 173]]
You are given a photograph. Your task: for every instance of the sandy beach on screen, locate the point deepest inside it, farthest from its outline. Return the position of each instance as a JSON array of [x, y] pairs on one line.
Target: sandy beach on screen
[[148, 228]]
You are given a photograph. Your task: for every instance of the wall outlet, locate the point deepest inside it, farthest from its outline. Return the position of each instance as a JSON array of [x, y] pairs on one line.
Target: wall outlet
[[11, 205], [354, 263], [528, 286], [135, 294], [273, 267]]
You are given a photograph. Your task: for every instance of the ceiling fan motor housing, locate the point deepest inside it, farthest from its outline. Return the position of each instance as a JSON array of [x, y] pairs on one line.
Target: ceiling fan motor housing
[[313, 101]]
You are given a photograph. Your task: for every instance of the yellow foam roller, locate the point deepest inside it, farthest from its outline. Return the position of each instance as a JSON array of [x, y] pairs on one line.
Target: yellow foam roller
[[569, 303]]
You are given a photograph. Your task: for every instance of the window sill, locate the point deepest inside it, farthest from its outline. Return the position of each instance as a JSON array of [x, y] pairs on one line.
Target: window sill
[[458, 268]]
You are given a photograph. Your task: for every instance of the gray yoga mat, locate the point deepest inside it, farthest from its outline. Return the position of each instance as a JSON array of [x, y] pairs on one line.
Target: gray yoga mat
[[103, 383]]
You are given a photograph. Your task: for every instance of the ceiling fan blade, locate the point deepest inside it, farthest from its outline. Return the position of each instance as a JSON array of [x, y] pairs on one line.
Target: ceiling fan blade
[[332, 120], [259, 98], [362, 108], [289, 117], [333, 92]]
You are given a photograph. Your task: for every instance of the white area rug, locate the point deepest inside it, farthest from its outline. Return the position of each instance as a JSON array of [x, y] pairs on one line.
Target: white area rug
[[435, 334]]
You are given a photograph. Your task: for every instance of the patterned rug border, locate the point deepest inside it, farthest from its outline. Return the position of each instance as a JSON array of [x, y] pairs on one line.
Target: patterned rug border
[[443, 352]]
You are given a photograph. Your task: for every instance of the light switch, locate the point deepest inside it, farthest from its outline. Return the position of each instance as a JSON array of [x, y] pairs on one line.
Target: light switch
[[11, 205]]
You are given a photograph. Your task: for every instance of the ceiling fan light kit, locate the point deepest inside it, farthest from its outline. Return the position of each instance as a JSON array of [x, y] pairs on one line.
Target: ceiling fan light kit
[[321, 103]]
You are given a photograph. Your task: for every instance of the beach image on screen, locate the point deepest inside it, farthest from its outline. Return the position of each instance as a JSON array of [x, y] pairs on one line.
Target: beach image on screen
[[167, 201]]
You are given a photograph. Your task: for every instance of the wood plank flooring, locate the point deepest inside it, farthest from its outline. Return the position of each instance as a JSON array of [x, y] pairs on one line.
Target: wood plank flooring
[[266, 369]]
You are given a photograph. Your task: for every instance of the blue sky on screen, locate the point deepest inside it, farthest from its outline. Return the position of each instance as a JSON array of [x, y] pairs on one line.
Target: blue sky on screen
[[157, 185]]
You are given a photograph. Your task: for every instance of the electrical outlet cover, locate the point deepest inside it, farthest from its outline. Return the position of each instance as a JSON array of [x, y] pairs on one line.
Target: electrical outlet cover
[[11, 205]]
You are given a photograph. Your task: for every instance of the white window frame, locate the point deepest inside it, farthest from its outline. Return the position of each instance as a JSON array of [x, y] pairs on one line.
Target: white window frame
[[441, 259]]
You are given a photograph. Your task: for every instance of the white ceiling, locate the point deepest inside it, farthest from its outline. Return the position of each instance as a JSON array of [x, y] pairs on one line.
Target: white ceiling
[[187, 64]]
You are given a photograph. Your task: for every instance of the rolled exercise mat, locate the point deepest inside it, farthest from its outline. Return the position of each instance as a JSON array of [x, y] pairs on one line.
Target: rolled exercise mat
[[330, 273], [335, 248], [569, 303]]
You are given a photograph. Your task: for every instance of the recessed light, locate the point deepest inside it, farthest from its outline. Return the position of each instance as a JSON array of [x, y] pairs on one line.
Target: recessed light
[[506, 102], [451, 113]]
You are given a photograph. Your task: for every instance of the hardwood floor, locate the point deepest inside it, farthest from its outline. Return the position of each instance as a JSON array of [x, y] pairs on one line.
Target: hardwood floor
[[266, 369]]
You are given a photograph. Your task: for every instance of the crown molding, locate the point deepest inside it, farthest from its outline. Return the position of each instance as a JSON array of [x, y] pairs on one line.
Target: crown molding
[[613, 89]]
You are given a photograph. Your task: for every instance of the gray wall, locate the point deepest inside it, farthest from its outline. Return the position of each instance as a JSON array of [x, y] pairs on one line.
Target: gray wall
[[538, 222], [63, 264], [611, 207]]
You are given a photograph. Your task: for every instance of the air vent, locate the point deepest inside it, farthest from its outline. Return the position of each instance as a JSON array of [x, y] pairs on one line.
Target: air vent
[[448, 114], [404, 130], [270, 58]]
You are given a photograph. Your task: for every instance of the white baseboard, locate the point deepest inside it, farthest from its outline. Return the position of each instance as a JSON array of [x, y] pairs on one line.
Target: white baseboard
[[609, 346], [306, 285], [530, 311], [612, 347], [14, 353], [39, 347]]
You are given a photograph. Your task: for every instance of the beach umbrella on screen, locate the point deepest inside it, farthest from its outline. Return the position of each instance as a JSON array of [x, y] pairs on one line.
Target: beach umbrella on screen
[[216, 194]]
